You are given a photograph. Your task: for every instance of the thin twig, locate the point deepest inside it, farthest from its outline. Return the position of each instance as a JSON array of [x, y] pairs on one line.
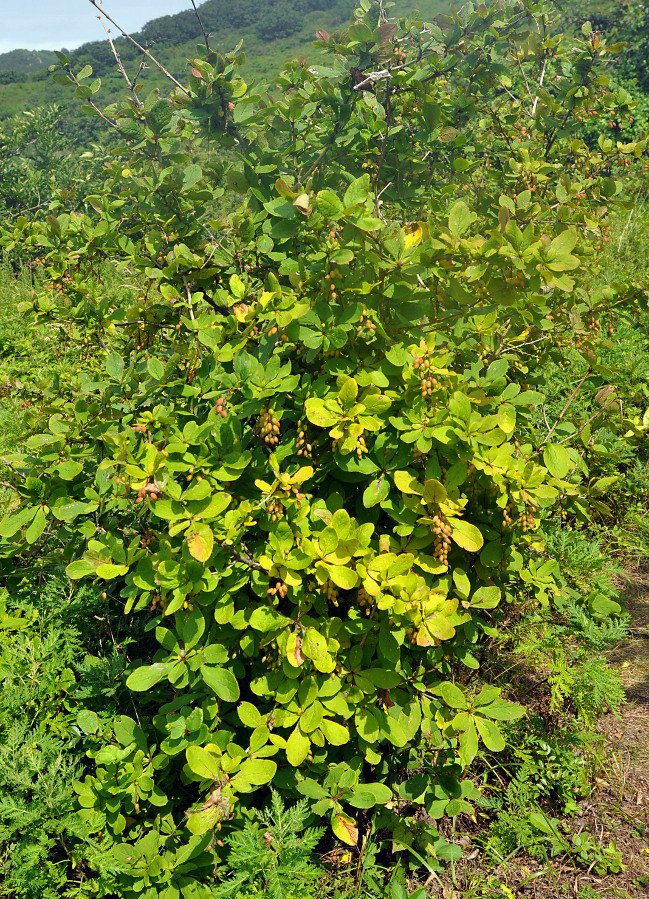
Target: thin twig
[[120, 64], [97, 5], [191, 315], [542, 79], [571, 399], [207, 45], [244, 557], [15, 470]]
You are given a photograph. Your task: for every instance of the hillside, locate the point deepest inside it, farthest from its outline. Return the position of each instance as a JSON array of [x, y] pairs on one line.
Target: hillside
[[284, 30], [26, 61]]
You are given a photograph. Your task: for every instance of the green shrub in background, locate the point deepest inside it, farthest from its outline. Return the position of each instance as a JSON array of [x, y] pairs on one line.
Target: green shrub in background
[[309, 468]]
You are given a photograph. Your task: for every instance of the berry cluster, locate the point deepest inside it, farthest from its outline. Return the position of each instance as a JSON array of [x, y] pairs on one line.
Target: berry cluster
[[280, 589], [442, 531], [144, 492], [593, 330], [508, 521], [527, 518], [59, 286], [281, 337], [361, 446], [275, 509], [422, 365], [296, 494], [418, 455], [158, 603], [365, 601], [330, 279], [219, 408], [399, 55], [303, 447], [146, 540], [411, 635], [330, 592], [268, 426], [366, 323]]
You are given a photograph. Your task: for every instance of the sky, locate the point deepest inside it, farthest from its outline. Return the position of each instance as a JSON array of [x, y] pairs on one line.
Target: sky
[[53, 24]]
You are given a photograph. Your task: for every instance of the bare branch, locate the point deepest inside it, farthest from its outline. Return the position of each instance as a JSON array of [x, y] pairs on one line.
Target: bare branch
[[190, 306], [207, 44], [542, 79], [571, 399], [120, 65], [97, 5], [244, 557]]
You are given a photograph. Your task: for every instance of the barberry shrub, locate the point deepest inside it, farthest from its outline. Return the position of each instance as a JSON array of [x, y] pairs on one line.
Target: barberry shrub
[[306, 459]]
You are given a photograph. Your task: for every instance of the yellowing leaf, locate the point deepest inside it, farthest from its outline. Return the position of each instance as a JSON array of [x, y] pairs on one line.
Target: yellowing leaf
[[413, 235], [200, 542], [407, 483], [345, 828]]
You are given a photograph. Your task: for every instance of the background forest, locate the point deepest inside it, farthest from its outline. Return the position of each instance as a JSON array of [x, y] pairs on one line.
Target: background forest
[[324, 381]]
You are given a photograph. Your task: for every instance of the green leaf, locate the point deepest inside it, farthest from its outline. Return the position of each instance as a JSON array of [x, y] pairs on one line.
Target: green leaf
[[88, 721], [266, 619], [319, 415], [468, 745], [367, 725], [128, 731], [222, 682], [329, 204], [367, 222], [312, 789], [155, 368], [501, 710], [202, 763], [314, 645], [37, 526], [192, 174], [406, 482], [78, 569], [466, 535], [334, 733], [486, 597], [67, 509], [376, 492], [383, 678], [357, 192], [11, 524], [297, 747], [460, 218], [115, 366], [69, 470], [108, 571], [490, 734], [256, 772], [348, 393], [159, 116], [452, 695], [345, 578], [381, 792], [147, 676], [557, 460]]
